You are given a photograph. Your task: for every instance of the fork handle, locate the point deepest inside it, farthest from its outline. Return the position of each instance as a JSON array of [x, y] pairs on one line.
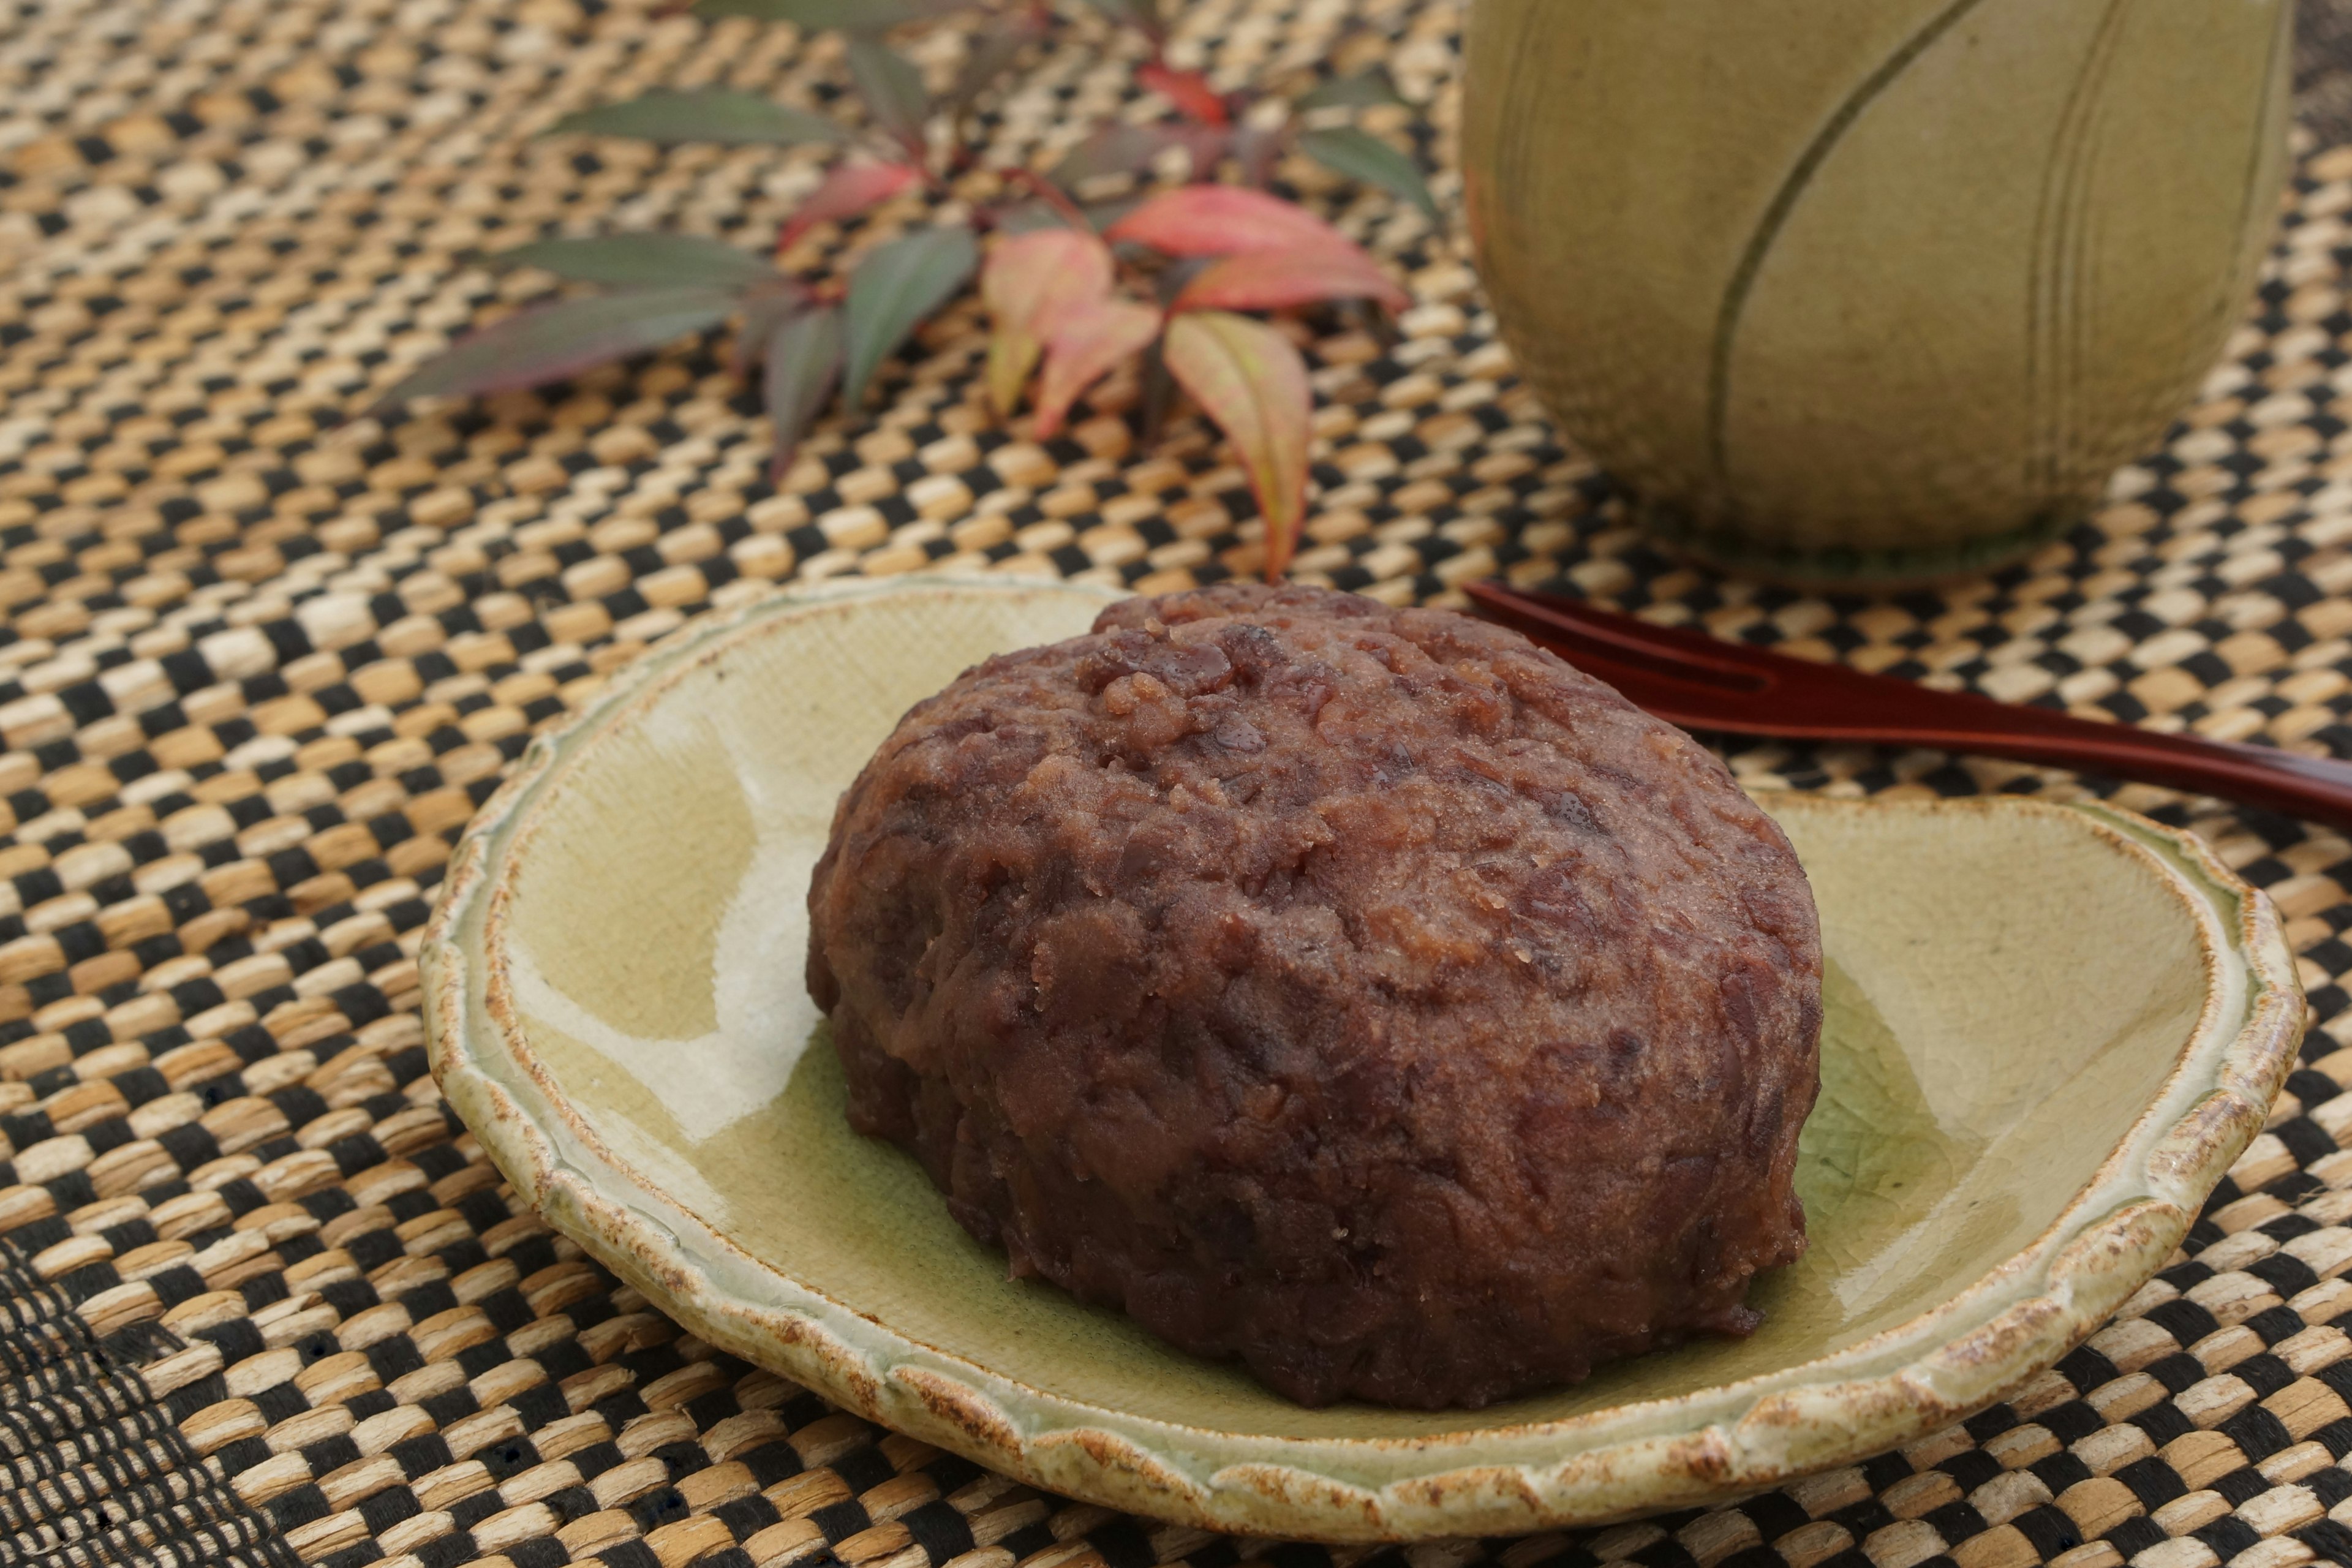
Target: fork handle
[[1683, 676], [2313, 788]]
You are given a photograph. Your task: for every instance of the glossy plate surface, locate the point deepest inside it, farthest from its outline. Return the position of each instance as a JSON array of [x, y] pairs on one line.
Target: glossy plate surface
[[2050, 1031]]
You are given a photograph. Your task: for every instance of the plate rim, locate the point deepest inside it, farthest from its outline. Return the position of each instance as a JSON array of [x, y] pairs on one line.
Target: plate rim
[[2109, 1239]]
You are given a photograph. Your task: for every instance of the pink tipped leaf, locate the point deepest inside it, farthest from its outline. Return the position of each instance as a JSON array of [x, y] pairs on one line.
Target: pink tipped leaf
[[1224, 220], [1277, 279], [1250, 381], [548, 343], [1086, 346], [846, 191], [1031, 282]]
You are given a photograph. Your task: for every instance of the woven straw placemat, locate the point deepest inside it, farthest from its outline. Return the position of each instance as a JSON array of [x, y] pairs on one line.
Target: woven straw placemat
[[264, 1300]]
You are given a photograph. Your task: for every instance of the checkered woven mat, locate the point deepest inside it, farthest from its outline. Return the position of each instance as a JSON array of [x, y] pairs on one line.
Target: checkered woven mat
[[264, 1300]]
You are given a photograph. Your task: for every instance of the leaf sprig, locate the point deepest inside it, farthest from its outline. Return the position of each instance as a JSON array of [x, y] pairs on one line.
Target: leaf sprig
[[1061, 280]]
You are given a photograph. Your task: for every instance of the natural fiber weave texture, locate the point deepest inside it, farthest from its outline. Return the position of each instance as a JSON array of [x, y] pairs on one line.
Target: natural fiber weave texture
[[264, 1301]]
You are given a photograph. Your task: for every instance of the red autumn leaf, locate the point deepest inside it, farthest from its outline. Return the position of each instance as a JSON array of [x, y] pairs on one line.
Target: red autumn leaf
[[1031, 282], [1086, 345], [1188, 90], [846, 191], [1248, 379], [1221, 220], [1275, 279]]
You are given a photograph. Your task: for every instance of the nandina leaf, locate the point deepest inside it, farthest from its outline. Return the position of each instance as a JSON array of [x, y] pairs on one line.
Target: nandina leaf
[[707, 114], [1012, 356], [804, 357], [1173, 277], [1028, 217], [822, 16], [1361, 155], [765, 307], [1119, 149], [547, 342], [1362, 91], [1188, 90], [846, 191], [1255, 149], [1084, 346], [1035, 273], [991, 56], [1248, 379], [1205, 145], [1220, 220], [1100, 216], [1143, 14], [637, 260], [1275, 279], [1031, 282], [895, 287], [892, 88]]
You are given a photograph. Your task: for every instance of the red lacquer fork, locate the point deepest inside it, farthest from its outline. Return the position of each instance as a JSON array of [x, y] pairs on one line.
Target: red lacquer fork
[[1701, 683]]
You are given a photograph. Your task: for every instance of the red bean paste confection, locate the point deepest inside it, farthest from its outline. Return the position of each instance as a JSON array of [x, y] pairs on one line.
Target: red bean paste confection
[[1361, 992]]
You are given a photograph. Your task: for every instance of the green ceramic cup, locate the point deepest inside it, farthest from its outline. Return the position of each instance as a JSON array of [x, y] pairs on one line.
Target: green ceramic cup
[[1869, 291]]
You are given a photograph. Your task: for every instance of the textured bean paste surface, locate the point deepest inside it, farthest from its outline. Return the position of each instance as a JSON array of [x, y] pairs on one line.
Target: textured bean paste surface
[[1361, 992]]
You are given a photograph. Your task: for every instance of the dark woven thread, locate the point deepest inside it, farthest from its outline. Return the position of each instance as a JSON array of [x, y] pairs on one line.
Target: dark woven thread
[[122, 1486]]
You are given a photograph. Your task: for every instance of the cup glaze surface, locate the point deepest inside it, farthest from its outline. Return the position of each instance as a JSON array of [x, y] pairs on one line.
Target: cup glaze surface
[[1871, 289]]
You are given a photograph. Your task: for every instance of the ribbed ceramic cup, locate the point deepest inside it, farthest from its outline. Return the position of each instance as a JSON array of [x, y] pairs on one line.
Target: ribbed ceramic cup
[[1871, 289]]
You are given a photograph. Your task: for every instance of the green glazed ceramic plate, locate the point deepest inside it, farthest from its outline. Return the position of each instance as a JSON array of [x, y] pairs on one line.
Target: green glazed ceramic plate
[[2050, 1031]]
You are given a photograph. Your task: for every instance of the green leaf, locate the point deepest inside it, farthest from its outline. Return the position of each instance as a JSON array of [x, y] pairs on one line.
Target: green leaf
[[829, 16], [803, 359], [1028, 217], [707, 114], [895, 287], [1143, 14], [765, 307], [548, 343], [1361, 155], [893, 89], [643, 261], [1362, 91], [992, 54], [1120, 149]]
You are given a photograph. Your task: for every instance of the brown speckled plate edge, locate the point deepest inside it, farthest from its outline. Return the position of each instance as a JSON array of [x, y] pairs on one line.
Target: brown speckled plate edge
[[1985, 1339]]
